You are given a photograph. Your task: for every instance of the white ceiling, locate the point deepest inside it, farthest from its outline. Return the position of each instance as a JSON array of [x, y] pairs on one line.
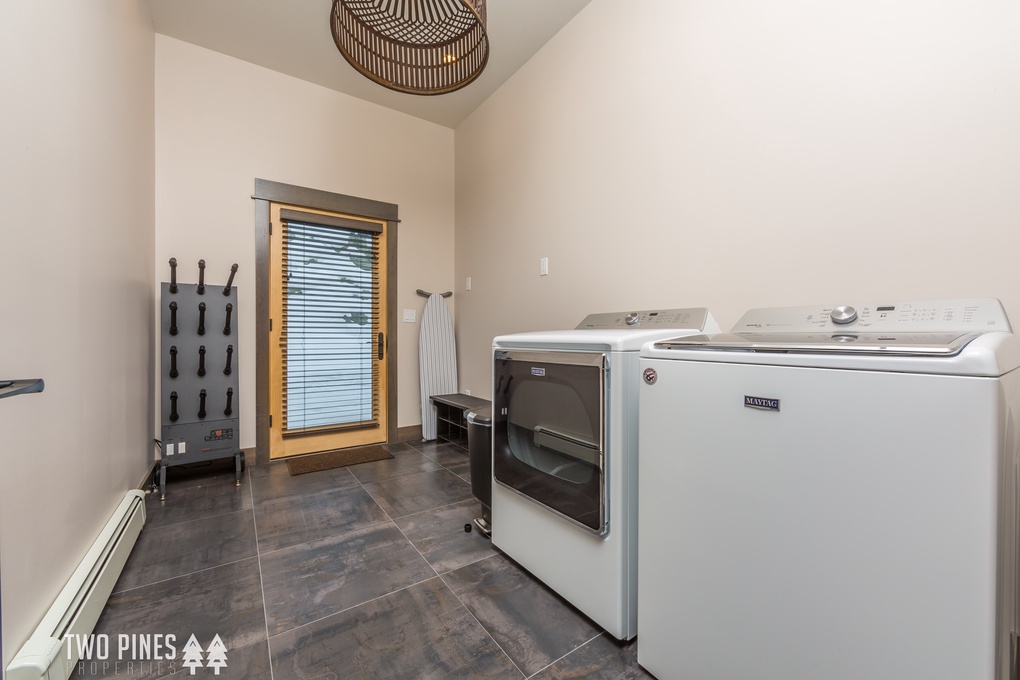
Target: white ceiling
[[293, 37]]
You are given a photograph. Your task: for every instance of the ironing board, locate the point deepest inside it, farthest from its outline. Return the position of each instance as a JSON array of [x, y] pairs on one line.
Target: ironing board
[[437, 360]]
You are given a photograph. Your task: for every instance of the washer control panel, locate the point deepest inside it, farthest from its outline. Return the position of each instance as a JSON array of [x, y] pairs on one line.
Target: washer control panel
[[694, 318], [936, 316]]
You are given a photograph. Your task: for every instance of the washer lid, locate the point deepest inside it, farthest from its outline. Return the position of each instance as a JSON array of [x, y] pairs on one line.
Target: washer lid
[[882, 344]]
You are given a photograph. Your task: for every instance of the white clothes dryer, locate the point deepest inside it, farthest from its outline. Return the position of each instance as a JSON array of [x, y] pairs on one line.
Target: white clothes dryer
[[564, 429], [831, 492]]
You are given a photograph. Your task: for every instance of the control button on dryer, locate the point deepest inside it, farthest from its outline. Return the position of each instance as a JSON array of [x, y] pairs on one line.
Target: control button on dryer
[[843, 314], [632, 318]]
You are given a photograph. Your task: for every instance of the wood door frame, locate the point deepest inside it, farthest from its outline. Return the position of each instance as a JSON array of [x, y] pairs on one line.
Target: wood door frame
[[266, 192]]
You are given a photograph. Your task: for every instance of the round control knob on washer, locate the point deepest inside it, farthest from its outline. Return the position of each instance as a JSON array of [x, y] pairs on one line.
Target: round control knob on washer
[[843, 314], [632, 318]]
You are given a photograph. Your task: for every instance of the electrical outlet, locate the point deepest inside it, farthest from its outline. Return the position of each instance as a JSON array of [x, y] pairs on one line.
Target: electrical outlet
[[408, 316]]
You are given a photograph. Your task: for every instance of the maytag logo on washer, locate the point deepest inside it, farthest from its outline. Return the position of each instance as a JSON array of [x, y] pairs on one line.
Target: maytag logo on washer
[[537, 371], [650, 376], [763, 403]]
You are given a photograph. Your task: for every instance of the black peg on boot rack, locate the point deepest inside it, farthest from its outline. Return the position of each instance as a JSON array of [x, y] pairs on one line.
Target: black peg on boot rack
[[173, 318], [173, 276], [201, 361], [201, 404], [226, 326], [230, 397], [230, 281], [201, 318], [201, 277], [230, 355], [173, 361], [173, 407]]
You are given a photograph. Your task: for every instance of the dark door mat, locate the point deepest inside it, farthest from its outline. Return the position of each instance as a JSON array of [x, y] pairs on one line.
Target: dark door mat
[[335, 459]]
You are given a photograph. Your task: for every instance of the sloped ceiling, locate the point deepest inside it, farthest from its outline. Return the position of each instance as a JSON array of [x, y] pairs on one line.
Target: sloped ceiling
[[293, 37]]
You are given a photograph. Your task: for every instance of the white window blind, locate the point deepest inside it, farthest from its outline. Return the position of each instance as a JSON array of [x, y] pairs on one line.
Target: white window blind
[[330, 337]]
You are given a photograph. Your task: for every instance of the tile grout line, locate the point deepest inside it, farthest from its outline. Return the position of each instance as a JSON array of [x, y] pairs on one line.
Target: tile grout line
[[328, 536], [480, 624], [422, 512], [406, 538], [190, 573], [391, 517], [189, 521], [573, 651], [374, 499], [550, 664], [441, 468], [262, 583], [389, 520], [436, 461], [354, 606], [392, 520], [397, 527], [358, 483], [440, 576]]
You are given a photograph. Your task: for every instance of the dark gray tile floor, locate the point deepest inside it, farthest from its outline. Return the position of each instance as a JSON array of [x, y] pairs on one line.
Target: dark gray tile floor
[[357, 572]]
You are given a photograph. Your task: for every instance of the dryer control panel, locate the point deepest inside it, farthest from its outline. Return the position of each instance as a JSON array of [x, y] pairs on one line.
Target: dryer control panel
[[693, 318], [935, 316]]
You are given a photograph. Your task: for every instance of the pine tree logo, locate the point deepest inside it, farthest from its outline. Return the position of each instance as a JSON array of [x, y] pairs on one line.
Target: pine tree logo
[[217, 655], [193, 655]]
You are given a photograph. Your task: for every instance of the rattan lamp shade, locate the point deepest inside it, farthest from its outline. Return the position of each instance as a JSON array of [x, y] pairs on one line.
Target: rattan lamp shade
[[413, 46]]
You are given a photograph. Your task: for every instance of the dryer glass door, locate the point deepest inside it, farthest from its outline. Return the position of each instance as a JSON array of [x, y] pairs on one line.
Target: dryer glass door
[[549, 431]]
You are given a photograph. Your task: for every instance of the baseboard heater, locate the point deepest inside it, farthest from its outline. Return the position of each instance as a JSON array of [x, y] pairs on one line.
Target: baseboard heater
[[47, 655]]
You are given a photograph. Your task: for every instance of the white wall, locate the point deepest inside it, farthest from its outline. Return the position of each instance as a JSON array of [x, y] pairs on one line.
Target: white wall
[[742, 154], [222, 122], [76, 285]]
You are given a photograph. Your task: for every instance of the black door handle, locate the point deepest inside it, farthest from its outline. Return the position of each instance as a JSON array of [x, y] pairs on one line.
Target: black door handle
[[381, 343]]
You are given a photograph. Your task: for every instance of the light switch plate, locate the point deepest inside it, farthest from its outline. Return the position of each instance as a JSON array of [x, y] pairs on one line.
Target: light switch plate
[[408, 316]]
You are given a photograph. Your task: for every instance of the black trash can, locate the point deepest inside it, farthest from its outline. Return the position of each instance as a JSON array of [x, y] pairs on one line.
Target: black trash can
[[479, 431]]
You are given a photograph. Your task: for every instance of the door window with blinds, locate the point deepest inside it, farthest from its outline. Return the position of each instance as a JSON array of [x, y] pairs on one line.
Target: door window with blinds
[[328, 334]]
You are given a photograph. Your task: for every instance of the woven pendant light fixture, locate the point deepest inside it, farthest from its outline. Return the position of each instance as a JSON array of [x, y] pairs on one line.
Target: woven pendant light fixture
[[414, 46]]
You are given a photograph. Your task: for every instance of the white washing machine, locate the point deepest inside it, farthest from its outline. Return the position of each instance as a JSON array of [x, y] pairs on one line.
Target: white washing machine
[[564, 430], [831, 492]]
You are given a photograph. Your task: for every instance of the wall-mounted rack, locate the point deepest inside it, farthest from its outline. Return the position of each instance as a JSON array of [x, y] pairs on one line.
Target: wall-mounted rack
[[426, 294], [12, 388]]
